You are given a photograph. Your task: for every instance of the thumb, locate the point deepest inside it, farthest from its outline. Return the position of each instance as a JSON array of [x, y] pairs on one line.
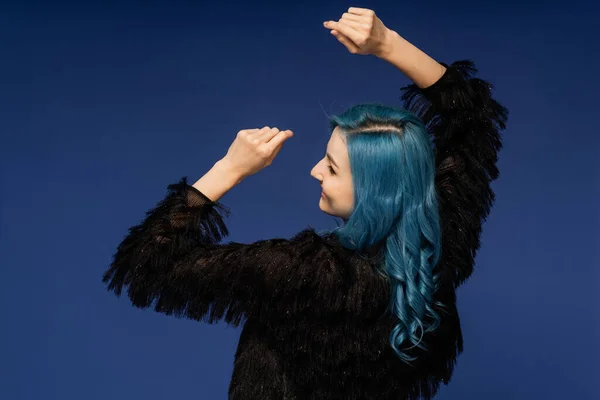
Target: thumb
[[275, 144], [352, 48]]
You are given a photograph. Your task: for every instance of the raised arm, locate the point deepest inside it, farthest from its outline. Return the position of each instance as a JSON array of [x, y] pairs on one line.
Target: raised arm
[[466, 122], [462, 116], [174, 259]]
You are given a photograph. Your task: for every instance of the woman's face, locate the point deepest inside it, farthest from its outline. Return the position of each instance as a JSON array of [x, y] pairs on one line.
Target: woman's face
[[333, 171]]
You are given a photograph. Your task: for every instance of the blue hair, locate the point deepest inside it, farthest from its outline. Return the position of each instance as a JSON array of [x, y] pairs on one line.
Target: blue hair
[[395, 208]]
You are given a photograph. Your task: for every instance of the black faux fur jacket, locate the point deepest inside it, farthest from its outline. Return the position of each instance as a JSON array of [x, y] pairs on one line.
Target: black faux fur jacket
[[315, 325]]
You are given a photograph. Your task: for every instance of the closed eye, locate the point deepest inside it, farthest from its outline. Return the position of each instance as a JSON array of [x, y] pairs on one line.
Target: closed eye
[[331, 170]]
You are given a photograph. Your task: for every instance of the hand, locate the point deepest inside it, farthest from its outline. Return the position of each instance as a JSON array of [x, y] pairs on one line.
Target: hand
[[254, 149], [361, 31]]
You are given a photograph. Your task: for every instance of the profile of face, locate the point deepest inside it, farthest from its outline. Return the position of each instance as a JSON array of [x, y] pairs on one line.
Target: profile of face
[[333, 172]]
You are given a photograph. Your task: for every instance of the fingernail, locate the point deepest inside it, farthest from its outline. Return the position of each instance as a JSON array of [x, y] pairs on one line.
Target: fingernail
[[325, 23]]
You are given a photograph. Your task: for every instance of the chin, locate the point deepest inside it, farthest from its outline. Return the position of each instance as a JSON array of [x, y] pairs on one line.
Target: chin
[[327, 210], [324, 206]]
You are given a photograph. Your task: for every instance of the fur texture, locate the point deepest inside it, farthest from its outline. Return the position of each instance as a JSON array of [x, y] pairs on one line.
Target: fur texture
[[314, 312]]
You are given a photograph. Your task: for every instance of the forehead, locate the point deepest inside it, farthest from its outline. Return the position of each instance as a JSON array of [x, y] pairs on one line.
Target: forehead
[[336, 142]]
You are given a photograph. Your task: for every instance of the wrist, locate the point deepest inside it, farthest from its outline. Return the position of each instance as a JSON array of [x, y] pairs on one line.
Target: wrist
[[390, 45], [228, 171], [423, 70], [221, 178]]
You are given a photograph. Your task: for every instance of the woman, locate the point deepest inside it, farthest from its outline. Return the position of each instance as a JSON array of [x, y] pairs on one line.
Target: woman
[[367, 310]]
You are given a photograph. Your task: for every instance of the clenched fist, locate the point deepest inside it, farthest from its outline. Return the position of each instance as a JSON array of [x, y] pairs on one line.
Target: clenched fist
[[361, 31], [255, 149]]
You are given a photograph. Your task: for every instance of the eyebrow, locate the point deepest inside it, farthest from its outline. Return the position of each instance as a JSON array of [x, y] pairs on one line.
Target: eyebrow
[[332, 161]]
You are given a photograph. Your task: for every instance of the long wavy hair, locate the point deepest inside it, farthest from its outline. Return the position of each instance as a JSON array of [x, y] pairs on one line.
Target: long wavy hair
[[395, 209]]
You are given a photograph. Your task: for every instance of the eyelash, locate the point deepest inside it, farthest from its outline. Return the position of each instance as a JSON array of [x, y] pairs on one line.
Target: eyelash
[[331, 170]]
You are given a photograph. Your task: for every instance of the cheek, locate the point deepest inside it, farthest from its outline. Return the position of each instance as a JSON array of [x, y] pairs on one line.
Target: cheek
[[326, 191]]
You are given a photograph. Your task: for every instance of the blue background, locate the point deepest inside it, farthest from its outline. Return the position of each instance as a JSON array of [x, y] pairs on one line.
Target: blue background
[[103, 104]]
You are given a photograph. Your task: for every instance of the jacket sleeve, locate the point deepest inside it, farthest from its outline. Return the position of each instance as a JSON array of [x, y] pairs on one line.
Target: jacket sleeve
[[173, 261], [465, 122]]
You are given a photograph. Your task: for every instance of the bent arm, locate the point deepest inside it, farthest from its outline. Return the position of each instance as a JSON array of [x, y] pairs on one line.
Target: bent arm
[[174, 261]]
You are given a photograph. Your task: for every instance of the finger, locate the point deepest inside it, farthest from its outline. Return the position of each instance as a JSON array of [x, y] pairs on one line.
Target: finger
[[278, 140], [345, 41], [345, 30], [261, 130], [357, 25], [268, 135], [352, 17], [257, 133], [249, 130], [259, 137], [360, 11]]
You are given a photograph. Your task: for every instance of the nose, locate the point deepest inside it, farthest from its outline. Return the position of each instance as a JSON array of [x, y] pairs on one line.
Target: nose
[[313, 172]]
